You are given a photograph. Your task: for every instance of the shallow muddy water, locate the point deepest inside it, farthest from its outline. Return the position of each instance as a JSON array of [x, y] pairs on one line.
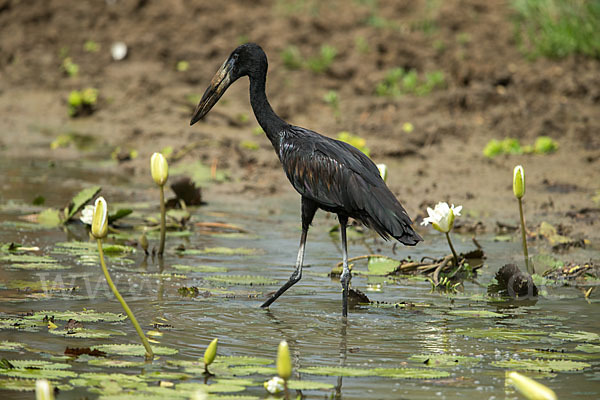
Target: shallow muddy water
[[308, 316]]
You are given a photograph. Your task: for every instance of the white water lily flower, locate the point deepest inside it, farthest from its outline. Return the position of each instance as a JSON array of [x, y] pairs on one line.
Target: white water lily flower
[[274, 385], [442, 216], [87, 214]]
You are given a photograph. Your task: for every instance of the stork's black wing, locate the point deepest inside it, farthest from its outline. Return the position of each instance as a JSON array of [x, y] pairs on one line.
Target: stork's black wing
[[342, 179]]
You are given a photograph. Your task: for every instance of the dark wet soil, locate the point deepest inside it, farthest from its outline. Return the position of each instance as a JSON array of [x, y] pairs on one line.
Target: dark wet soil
[[492, 91]]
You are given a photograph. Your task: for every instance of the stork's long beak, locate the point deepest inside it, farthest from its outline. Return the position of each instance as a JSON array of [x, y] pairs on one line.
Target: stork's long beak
[[219, 83]]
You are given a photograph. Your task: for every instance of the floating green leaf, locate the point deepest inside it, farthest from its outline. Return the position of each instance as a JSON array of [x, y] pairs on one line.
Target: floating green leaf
[[228, 251], [309, 385], [515, 335], [20, 324], [561, 355], [243, 360], [382, 265], [108, 362], [85, 333], [241, 279], [38, 364], [82, 316], [49, 218], [476, 313], [337, 371], [40, 266], [5, 345], [243, 370], [21, 385], [410, 373], [198, 268], [27, 258], [542, 365], [444, 360], [38, 373], [579, 336], [96, 379], [588, 348], [213, 388], [133, 349]]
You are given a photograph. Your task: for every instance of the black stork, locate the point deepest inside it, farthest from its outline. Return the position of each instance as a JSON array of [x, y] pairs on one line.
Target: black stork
[[329, 174]]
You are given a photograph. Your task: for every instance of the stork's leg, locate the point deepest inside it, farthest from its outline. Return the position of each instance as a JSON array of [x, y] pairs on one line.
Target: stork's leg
[[346, 275], [309, 208]]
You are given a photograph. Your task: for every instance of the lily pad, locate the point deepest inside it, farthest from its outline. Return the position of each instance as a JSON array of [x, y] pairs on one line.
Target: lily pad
[[38, 364], [444, 360], [542, 365], [337, 371], [309, 385], [511, 335], [244, 370], [133, 349], [241, 279], [243, 360], [410, 373], [85, 333], [20, 385], [108, 362], [82, 316], [21, 324], [476, 313], [198, 268], [96, 379], [382, 265], [38, 373], [40, 266], [588, 348], [228, 251], [5, 345], [579, 336], [27, 258], [212, 388]]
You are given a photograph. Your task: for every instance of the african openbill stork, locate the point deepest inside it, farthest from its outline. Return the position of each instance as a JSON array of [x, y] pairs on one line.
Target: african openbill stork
[[329, 174]]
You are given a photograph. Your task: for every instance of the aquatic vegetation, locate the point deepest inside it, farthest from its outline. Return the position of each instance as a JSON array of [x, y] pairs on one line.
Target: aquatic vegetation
[[442, 219], [133, 349], [504, 334], [275, 385], [250, 280], [160, 173], [396, 373], [100, 230], [542, 365], [70, 68], [444, 360], [529, 388]]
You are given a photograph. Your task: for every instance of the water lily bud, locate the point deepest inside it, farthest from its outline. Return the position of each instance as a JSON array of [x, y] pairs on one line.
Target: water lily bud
[[284, 361], [274, 385], [519, 181], [43, 390], [159, 168], [144, 242], [100, 219], [211, 352], [529, 388], [382, 171]]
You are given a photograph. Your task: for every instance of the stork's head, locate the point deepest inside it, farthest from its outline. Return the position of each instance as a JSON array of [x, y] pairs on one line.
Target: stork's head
[[248, 59]]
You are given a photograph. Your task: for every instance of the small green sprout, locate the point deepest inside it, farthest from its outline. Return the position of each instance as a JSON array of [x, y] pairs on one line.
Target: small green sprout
[[398, 81], [292, 59], [333, 100], [322, 62], [249, 145], [361, 44], [209, 355], [545, 145], [82, 102], [70, 67], [91, 47]]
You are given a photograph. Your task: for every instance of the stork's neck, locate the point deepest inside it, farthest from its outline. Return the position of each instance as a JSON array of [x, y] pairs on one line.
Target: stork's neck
[[266, 117]]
